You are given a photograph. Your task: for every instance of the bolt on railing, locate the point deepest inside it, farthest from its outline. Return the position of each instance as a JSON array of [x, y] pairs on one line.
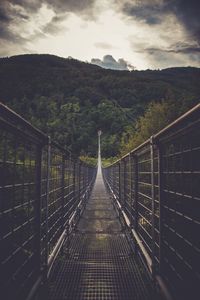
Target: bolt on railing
[[42, 194], [157, 189]]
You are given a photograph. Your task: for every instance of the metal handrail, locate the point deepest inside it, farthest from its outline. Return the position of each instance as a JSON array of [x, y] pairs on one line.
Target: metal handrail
[[163, 223], [9, 114], [164, 131], [43, 190]]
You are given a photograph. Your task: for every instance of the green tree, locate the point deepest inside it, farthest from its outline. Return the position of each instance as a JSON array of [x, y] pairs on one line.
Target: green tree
[[156, 117]]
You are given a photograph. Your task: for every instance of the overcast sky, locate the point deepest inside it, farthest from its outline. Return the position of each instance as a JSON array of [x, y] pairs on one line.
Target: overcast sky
[[119, 34]]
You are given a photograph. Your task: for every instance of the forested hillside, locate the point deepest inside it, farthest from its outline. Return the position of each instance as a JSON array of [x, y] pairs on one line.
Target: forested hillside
[[71, 100]]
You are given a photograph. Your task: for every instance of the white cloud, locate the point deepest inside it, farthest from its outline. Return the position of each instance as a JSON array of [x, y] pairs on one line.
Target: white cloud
[[108, 62]]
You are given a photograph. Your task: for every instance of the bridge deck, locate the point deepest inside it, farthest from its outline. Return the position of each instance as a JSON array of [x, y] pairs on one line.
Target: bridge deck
[[98, 262]]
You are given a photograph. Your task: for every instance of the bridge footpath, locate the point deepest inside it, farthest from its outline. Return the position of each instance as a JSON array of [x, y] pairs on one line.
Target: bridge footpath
[[97, 261]]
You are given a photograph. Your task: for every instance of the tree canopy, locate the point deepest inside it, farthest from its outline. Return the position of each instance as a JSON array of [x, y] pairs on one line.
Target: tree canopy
[[72, 100]]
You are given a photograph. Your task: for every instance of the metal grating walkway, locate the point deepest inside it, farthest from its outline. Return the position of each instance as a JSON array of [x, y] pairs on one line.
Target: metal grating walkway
[[98, 262]]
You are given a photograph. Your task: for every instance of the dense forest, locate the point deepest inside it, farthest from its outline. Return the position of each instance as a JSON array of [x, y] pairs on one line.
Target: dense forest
[[72, 100]]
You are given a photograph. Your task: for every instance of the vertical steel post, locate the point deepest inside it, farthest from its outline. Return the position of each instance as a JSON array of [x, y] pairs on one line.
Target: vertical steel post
[[79, 181], [67, 225], [74, 180], [124, 182], [131, 186], [136, 191], [119, 170], [160, 184], [115, 180], [63, 188], [152, 154], [47, 208], [38, 206], [83, 178], [86, 182], [136, 219]]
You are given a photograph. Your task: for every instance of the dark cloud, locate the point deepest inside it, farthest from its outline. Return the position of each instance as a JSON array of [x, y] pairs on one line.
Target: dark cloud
[[54, 25], [188, 50], [26, 5], [179, 48], [151, 14], [108, 62], [176, 55], [154, 12], [12, 11], [78, 6], [7, 16], [188, 12], [59, 6], [4, 17]]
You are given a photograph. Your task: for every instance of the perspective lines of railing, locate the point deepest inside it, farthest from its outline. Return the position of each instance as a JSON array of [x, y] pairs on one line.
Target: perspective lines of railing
[[157, 188], [42, 195]]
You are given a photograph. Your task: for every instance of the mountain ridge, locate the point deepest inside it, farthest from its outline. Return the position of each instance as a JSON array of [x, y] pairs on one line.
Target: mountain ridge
[[71, 100]]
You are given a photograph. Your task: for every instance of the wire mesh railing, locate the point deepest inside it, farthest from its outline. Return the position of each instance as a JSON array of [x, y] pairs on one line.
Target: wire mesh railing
[[157, 189], [42, 194]]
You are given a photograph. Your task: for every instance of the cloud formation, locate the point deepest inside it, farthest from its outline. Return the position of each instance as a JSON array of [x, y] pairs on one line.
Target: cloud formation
[[54, 25], [20, 11], [108, 62], [177, 48], [177, 54], [84, 7], [154, 11], [172, 20], [149, 11], [59, 6], [150, 33]]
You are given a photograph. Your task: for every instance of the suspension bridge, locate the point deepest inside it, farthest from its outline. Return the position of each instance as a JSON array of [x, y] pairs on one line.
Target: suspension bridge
[[71, 231]]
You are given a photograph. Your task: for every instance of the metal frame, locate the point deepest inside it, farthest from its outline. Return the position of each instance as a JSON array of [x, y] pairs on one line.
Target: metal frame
[[165, 220], [41, 197]]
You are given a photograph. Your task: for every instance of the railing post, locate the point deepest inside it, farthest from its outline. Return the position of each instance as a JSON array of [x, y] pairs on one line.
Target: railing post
[[124, 182], [135, 203], [79, 181], [152, 153], [84, 177], [62, 196], [85, 174], [119, 164], [131, 185], [112, 176], [74, 180], [87, 180], [38, 206], [136, 191], [160, 180], [47, 208], [115, 179]]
